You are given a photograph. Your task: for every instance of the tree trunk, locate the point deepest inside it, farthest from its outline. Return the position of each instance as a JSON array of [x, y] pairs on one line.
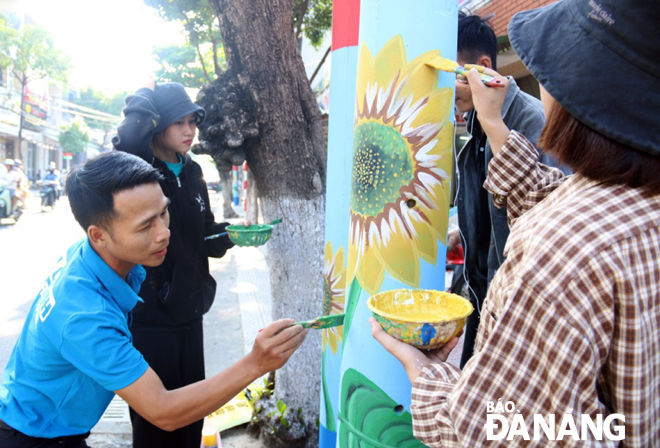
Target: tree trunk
[[252, 198], [227, 199], [288, 158]]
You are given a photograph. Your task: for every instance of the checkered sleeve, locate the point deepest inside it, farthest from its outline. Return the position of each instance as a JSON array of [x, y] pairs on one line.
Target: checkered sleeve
[[429, 395], [517, 180]]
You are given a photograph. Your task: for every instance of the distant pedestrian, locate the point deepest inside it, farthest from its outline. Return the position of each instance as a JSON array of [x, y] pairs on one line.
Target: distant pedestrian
[[570, 326], [159, 126]]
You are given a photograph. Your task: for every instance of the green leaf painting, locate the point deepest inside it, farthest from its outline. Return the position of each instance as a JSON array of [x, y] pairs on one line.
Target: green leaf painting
[[370, 418], [351, 303]]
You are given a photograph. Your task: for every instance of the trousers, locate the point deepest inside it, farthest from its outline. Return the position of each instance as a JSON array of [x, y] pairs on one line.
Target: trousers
[[11, 438], [177, 357]]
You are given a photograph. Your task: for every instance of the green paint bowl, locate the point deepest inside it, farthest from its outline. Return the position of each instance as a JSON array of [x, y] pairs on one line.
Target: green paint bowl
[[255, 235], [424, 318]]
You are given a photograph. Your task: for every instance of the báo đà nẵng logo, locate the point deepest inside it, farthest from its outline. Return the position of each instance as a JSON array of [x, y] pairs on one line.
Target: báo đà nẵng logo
[[505, 422]]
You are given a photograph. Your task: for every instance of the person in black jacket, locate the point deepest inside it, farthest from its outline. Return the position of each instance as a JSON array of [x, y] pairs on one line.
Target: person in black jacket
[[159, 126]]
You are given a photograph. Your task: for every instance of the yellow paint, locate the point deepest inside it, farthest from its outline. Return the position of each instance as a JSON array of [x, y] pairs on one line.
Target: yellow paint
[[419, 305], [426, 319]]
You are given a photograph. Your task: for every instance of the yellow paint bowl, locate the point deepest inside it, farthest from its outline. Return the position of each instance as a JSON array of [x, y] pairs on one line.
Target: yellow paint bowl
[[424, 318]]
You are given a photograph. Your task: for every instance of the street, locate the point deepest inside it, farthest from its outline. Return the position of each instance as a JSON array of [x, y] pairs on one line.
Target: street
[[29, 250]]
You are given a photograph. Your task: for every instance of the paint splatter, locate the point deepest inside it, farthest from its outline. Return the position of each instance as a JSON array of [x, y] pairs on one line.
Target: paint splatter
[[428, 333]]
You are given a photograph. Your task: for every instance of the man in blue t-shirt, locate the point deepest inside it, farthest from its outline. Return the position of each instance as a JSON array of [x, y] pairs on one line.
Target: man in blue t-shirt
[[76, 351]]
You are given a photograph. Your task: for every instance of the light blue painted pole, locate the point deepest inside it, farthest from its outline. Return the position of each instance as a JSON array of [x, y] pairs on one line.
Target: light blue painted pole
[[345, 23], [399, 200]]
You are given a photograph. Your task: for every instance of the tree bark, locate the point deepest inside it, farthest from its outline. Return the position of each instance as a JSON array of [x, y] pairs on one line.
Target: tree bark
[[252, 198], [227, 199], [266, 82]]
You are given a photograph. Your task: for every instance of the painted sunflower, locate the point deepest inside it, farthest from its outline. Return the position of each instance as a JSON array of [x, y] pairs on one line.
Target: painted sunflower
[[334, 288], [402, 148]]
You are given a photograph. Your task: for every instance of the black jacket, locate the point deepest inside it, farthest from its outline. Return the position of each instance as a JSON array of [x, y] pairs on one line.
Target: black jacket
[[178, 292], [484, 227]]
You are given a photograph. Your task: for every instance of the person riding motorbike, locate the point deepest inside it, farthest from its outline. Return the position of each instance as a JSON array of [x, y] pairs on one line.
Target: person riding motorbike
[[50, 188], [10, 180]]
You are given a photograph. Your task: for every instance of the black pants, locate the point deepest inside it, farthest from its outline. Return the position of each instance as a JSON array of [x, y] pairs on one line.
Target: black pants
[[177, 357], [10, 438]]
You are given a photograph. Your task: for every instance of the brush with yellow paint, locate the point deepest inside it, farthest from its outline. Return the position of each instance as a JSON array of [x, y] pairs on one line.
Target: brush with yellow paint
[[447, 65]]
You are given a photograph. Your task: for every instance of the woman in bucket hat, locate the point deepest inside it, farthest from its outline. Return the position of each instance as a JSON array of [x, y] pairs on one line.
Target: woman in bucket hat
[[159, 126], [568, 348]]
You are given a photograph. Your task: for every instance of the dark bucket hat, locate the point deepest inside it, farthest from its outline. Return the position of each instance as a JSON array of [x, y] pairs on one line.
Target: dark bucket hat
[[599, 59], [172, 102]]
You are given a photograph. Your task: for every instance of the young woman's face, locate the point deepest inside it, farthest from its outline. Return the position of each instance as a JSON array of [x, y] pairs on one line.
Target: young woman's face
[[178, 136], [547, 100]]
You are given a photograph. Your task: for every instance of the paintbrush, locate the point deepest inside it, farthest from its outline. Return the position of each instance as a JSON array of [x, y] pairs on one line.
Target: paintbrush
[[447, 65], [217, 235], [332, 320]]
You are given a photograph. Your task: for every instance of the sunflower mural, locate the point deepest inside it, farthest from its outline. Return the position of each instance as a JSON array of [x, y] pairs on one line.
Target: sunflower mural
[[402, 147], [334, 287]]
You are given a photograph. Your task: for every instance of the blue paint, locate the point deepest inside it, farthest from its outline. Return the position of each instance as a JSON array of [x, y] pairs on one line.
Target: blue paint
[[428, 333], [327, 438]]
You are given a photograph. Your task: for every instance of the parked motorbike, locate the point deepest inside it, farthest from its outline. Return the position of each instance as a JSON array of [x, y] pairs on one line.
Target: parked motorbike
[[6, 210], [49, 193]]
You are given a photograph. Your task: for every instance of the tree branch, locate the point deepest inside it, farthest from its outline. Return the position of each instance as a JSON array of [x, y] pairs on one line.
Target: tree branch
[[302, 10], [201, 60], [216, 63], [318, 67]]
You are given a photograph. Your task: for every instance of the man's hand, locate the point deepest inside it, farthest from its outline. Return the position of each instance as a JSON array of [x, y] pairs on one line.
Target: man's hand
[[151, 83], [413, 359], [275, 344]]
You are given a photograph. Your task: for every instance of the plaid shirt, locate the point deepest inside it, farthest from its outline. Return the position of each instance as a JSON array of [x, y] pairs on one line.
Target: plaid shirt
[[571, 321]]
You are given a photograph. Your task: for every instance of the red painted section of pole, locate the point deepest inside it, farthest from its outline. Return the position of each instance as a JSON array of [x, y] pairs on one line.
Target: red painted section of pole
[[345, 23], [245, 181]]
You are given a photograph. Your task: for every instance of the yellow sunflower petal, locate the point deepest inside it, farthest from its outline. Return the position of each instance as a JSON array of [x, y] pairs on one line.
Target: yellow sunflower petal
[[327, 256], [370, 272], [365, 76], [329, 339], [389, 60], [398, 254], [420, 78], [437, 213], [443, 148], [340, 261], [425, 241], [438, 109]]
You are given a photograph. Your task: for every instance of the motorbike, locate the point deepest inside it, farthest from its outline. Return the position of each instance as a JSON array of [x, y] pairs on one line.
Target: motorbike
[[6, 210], [49, 193]]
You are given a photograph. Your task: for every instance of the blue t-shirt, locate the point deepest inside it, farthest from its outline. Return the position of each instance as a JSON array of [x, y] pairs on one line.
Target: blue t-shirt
[[75, 348], [175, 167]]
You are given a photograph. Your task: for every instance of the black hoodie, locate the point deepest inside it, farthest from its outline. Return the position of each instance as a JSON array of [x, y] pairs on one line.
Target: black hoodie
[[177, 293]]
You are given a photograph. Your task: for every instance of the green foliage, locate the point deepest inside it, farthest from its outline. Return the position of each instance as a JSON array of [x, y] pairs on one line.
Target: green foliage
[[316, 20], [281, 406], [74, 136], [97, 100], [181, 64], [202, 59], [31, 53]]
